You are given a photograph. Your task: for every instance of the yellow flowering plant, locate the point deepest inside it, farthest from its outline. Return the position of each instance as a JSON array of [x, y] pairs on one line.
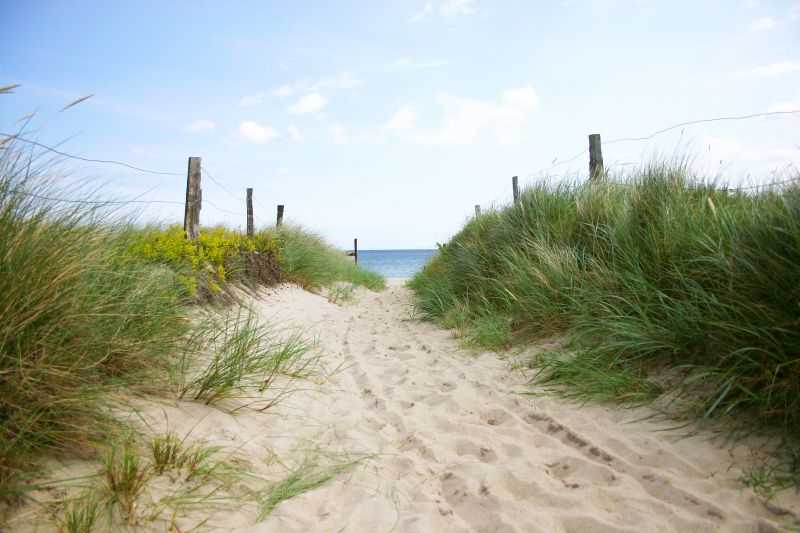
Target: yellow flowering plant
[[208, 263]]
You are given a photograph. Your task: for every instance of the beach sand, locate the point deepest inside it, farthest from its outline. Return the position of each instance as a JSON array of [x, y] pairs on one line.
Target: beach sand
[[448, 443]]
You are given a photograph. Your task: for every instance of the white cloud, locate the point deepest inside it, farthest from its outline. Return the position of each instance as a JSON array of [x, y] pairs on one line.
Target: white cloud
[[341, 82], [283, 91], [403, 121], [310, 103], [257, 99], [463, 119], [295, 135], [525, 98], [407, 64], [338, 134], [423, 13], [792, 105], [457, 7], [794, 12], [251, 132], [252, 101], [448, 8], [763, 24], [200, 126], [778, 68]]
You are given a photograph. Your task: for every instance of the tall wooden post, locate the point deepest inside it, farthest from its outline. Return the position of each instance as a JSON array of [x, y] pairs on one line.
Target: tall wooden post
[[595, 157], [250, 212], [279, 222], [194, 199], [477, 210], [355, 249], [515, 189]]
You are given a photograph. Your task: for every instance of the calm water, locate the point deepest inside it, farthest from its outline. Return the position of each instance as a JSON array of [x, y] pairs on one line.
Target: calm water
[[395, 263]]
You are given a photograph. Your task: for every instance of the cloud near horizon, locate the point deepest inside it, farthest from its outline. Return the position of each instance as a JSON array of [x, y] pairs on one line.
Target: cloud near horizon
[[463, 119], [200, 126], [779, 68], [251, 132], [765, 23], [295, 135], [448, 8], [341, 82], [311, 103]]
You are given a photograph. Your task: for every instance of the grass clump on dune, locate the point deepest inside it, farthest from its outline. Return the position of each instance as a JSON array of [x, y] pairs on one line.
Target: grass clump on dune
[[659, 275], [77, 316], [308, 260], [94, 310]]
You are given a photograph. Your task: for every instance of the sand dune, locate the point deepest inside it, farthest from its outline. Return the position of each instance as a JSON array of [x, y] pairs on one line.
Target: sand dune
[[452, 445], [456, 448]]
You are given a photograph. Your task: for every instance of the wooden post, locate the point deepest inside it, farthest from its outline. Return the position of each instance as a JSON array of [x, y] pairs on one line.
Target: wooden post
[[250, 212], [595, 157], [477, 210], [194, 200], [515, 189], [279, 223], [355, 249]]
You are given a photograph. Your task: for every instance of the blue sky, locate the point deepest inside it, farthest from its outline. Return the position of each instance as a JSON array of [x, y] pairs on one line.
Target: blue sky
[[389, 121]]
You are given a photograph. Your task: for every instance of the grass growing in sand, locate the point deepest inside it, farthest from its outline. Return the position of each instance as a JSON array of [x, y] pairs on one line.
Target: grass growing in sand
[[78, 317], [311, 262], [662, 282], [94, 310], [243, 356]]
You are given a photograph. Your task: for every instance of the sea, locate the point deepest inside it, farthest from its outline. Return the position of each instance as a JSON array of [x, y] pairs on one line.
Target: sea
[[395, 263]]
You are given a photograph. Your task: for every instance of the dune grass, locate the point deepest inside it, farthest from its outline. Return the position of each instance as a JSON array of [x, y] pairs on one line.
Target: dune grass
[[661, 281], [94, 308], [77, 318], [238, 356], [308, 260]]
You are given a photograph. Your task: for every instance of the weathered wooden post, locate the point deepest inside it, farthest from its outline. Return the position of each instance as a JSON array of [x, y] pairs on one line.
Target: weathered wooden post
[[595, 157], [477, 210], [515, 189], [250, 212], [194, 198], [279, 222], [355, 249]]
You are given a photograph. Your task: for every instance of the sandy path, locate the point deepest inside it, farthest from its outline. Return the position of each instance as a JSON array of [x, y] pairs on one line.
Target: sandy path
[[452, 445], [457, 449]]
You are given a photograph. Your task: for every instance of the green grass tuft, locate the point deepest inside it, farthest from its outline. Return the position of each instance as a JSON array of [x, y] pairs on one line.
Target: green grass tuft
[[78, 318], [658, 274], [308, 260]]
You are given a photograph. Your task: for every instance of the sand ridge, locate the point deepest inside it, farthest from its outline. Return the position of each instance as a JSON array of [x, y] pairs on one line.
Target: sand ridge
[[455, 447]]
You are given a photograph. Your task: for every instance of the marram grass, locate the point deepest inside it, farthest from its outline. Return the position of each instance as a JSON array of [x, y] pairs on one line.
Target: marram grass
[[661, 274], [77, 318], [308, 260], [91, 307]]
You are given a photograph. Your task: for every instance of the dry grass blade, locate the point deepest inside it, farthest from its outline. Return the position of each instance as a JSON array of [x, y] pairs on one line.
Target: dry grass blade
[[76, 102]]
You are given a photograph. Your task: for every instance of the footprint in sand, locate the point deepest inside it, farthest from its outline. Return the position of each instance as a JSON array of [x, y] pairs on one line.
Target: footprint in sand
[[447, 386], [403, 348], [496, 417], [467, 447]]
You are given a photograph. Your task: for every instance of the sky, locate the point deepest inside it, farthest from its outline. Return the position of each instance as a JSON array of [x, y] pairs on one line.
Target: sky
[[389, 121]]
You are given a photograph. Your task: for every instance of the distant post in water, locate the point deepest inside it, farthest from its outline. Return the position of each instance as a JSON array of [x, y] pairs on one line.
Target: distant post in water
[[250, 212], [595, 157], [515, 189], [279, 222], [194, 198], [477, 210], [355, 250]]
